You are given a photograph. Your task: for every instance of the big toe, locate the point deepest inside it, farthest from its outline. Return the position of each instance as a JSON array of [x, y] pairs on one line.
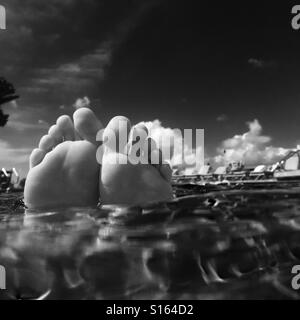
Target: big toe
[[87, 124], [116, 134]]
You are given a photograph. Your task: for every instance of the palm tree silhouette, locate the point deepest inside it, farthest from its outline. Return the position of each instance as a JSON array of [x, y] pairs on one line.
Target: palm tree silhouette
[[7, 94]]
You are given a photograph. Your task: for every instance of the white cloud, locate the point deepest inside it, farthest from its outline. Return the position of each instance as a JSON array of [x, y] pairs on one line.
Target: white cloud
[[25, 127], [21, 126], [260, 63], [257, 63], [251, 147], [167, 139], [222, 118], [43, 123], [78, 73], [8, 153], [14, 157], [82, 103], [22, 119], [14, 104]]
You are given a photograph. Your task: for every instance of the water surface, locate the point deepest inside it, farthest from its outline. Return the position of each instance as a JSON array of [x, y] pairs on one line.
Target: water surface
[[209, 243]]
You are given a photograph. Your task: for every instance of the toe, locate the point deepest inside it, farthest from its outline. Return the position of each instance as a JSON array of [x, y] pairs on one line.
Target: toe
[[36, 157], [66, 126], [87, 124], [166, 171], [47, 143], [152, 152], [116, 135], [136, 144], [157, 160], [56, 134], [142, 127]]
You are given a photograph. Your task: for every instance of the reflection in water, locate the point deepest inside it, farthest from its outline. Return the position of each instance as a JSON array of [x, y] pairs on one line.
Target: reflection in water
[[206, 244]]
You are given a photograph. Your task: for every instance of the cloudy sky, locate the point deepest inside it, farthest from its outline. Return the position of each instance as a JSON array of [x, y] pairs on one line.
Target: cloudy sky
[[230, 69]]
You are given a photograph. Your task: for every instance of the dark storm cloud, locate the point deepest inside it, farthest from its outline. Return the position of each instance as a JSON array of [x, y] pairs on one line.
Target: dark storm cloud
[[260, 63], [55, 52], [64, 44]]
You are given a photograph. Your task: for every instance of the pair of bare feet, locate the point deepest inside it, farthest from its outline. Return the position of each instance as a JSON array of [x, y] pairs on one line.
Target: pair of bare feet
[[64, 170]]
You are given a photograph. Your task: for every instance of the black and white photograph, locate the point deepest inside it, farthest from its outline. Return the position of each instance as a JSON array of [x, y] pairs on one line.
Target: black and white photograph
[[149, 151]]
